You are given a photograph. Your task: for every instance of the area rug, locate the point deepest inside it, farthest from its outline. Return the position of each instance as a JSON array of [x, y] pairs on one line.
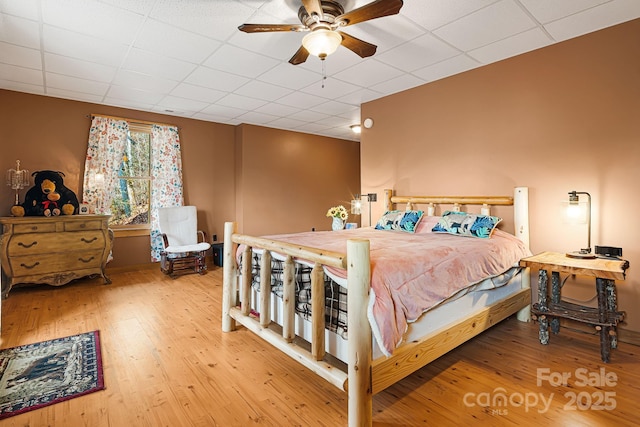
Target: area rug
[[36, 375]]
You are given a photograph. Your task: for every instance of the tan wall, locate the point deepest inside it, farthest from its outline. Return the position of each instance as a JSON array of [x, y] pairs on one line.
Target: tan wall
[[51, 133], [557, 119], [307, 171]]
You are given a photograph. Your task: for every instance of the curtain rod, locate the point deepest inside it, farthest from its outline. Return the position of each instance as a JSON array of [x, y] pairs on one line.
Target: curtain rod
[[133, 121]]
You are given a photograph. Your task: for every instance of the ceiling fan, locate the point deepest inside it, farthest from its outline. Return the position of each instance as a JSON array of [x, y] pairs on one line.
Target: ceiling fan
[[322, 18]]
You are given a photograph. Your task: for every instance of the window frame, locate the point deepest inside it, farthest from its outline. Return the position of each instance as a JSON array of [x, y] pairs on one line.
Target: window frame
[[125, 230]]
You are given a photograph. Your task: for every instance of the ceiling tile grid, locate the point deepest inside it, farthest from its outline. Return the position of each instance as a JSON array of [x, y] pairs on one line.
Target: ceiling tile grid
[[187, 57]]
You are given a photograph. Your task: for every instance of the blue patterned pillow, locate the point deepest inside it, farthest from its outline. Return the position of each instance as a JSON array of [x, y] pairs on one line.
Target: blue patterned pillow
[[464, 224], [400, 220]]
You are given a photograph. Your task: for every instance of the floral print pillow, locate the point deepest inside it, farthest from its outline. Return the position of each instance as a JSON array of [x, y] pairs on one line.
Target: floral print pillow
[[406, 221], [465, 224]]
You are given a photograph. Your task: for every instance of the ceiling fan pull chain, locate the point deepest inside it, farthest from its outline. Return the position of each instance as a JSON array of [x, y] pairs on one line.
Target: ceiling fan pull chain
[[324, 74]]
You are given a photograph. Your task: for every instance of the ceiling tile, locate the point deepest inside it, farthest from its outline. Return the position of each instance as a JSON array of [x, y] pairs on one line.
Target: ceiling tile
[[550, 10], [432, 14], [19, 31], [594, 19], [75, 84], [21, 87], [240, 61], [289, 76], [23, 8], [133, 80], [368, 73], [177, 43], [472, 31], [512, 46], [92, 18], [198, 93], [129, 101], [67, 43], [264, 91], [21, 74], [180, 104], [223, 111], [455, 65], [300, 100], [398, 84], [215, 79], [330, 88], [254, 117], [213, 19], [141, 7], [150, 63], [277, 109], [241, 102], [134, 96], [71, 94], [21, 56], [418, 53], [78, 68]]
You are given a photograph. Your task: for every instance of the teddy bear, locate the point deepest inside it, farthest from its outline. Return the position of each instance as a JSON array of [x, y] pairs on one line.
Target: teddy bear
[[48, 197]]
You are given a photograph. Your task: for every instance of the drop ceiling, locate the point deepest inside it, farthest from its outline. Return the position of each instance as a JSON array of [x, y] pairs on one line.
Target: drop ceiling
[[187, 58]]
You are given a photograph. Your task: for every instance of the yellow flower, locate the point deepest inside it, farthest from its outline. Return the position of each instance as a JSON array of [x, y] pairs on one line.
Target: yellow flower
[[338, 212]]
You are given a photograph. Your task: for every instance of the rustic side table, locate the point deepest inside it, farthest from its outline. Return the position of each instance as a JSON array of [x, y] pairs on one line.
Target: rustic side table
[[605, 317]]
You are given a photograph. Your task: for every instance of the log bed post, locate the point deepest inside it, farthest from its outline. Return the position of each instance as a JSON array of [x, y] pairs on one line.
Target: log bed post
[[265, 289], [229, 277], [247, 257], [289, 300], [360, 388], [317, 311]]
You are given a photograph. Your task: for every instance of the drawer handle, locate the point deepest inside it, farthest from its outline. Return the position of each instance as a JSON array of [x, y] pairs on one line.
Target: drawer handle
[[30, 266], [85, 260], [89, 241], [27, 245]]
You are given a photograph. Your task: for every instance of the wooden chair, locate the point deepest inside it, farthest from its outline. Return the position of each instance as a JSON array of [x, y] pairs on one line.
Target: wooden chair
[[185, 246]]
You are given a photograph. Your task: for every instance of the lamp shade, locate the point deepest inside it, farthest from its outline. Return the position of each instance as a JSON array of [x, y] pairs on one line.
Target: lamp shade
[[322, 42]]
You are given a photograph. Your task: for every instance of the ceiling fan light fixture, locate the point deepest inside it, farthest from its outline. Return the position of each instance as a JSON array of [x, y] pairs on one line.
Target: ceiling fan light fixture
[[322, 42]]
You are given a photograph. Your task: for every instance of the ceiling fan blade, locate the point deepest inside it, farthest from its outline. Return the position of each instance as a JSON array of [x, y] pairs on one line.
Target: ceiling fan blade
[[267, 28], [360, 47], [300, 56], [313, 6], [373, 10]]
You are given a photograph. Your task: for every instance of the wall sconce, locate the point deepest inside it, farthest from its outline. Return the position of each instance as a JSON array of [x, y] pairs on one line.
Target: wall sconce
[[356, 204], [17, 179], [580, 213], [356, 128]]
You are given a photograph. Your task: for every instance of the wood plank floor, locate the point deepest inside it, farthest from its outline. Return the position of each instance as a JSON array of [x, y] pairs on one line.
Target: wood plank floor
[[166, 363]]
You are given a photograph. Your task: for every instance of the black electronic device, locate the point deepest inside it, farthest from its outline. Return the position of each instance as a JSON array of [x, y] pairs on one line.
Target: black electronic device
[[608, 251]]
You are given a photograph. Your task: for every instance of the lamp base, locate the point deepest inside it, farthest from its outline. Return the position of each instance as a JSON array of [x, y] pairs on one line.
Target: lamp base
[[580, 254]]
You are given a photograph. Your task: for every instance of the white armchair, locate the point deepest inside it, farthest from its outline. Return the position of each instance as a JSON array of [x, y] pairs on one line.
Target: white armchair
[[185, 246]]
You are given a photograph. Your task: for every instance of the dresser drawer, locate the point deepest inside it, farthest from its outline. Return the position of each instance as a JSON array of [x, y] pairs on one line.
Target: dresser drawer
[[34, 243], [41, 227], [83, 225], [48, 263]]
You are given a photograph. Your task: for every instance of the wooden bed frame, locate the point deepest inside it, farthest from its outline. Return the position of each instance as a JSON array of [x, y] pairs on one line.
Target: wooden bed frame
[[364, 377]]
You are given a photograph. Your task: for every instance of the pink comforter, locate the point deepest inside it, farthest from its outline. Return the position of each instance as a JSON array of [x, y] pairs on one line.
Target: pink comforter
[[411, 273]]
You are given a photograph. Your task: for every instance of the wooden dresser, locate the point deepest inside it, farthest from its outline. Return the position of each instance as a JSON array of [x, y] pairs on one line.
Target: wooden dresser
[[53, 250]]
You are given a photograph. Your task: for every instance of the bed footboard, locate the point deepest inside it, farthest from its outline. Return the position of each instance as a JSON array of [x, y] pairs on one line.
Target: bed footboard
[[358, 379]]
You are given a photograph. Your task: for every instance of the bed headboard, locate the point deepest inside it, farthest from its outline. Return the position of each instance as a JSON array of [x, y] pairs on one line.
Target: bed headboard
[[519, 201]]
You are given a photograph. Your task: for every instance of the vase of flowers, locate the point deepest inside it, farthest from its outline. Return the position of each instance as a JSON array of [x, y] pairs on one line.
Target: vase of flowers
[[338, 215]]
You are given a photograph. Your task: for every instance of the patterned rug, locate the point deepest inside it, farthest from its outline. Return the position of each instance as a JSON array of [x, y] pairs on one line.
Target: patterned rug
[[36, 375]]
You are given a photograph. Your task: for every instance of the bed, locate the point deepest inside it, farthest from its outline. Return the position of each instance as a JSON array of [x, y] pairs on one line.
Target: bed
[[376, 353]]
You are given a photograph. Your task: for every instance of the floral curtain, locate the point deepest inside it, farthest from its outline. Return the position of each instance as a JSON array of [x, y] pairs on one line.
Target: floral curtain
[[166, 179], [107, 139]]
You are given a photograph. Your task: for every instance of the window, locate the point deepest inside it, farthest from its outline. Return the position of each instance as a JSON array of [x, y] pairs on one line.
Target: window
[[131, 170], [131, 199]]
